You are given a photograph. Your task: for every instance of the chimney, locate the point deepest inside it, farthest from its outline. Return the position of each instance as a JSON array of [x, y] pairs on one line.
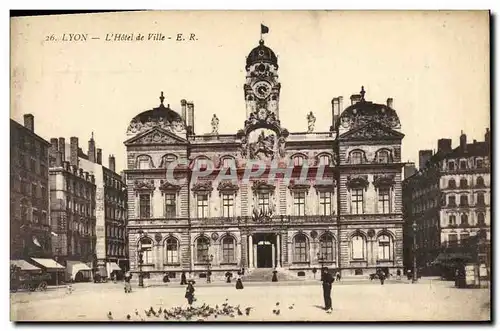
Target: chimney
[[444, 145], [53, 151], [487, 135], [99, 156], [62, 148], [112, 163], [183, 110], [190, 114], [463, 141], [423, 157], [29, 122], [335, 111], [390, 102], [409, 169], [59, 161], [73, 151], [355, 98], [92, 149]]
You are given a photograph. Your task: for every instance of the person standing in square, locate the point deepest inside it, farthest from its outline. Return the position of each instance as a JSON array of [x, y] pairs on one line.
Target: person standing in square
[[327, 281]]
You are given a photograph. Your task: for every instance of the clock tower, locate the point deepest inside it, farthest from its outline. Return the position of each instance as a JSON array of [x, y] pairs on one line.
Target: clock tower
[[262, 89]]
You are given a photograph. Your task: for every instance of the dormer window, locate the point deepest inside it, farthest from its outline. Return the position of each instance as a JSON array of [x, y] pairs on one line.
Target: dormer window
[[479, 163], [451, 165], [383, 156], [324, 160], [298, 161], [228, 163], [356, 157], [463, 165]]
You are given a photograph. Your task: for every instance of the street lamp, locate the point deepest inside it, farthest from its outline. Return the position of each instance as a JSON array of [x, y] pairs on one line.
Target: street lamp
[[321, 259], [414, 274], [141, 261], [208, 260]]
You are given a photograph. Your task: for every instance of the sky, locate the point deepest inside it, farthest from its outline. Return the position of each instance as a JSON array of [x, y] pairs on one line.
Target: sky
[[435, 65]]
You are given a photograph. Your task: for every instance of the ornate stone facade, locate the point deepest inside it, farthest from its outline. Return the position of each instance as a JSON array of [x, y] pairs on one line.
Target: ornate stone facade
[[351, 222]]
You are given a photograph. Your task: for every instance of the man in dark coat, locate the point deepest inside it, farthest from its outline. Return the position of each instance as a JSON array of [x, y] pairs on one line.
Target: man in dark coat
[[183, 278], [327, 280], [239, 284], [190, 293]]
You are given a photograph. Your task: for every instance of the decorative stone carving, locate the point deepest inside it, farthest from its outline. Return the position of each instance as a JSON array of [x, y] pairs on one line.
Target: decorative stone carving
[[383, 180], [214, 236], [320, 187], [359, 181], [203, 187], [299, 186], [371, 233], [166, 186], [227, 186], [311, 120], [314, 234], [263, 148], [262, 117], [158, 237], [215, 125], [262, 185], [144, 185]]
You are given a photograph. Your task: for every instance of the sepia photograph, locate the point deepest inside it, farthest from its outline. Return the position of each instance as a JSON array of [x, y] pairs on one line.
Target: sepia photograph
[[250, 166]]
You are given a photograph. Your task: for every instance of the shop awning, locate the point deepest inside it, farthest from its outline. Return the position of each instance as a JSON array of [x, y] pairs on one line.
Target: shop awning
[[75, 267], [112, 266], [25, 266], [48, 264], [451, 258]]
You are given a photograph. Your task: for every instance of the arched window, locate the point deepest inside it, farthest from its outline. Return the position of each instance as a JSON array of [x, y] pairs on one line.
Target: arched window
[[464, 201], [324, 160], [463, 183], [452, 183], [146, 246], [356, 157], [298, 161], [357, 247], [228, 250], [202, 163], [464, 219], [452, 220], [300, 248], [383, 156], [144, 162], [480, 199], [228, 162], [171, 251], [202, 245], [167, 160], [327, 247], [480, 218], [480, 181], [384, 248]]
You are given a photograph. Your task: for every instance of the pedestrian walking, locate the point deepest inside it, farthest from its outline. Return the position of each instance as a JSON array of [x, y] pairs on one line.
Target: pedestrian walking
[[190, 292], [327, 281], [183, 278], [275, 276], [239, 284], [337, 276], [382, 277], [398, 274], [127, 278]]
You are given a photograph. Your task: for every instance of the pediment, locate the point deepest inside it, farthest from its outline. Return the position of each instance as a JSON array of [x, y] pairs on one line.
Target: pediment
[[156, 136], [372, 131]]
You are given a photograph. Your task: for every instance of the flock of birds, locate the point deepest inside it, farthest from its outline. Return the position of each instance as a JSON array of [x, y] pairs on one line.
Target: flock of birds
[[191, 313]]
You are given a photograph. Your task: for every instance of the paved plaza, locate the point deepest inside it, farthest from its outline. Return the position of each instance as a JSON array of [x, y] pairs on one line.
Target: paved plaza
[[352, 301]]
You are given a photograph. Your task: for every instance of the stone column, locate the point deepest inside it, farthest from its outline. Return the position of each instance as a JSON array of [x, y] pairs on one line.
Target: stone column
[[278, 250], [255, 255], [192, 256], [250, 251], [273, 255]]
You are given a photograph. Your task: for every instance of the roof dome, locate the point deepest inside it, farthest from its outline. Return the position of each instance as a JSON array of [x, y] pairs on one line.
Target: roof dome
[[362, 112], [261, 53], [160, 116]]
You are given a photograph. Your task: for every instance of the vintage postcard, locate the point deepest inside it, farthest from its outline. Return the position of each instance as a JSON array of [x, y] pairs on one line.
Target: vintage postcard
[[250, 166]]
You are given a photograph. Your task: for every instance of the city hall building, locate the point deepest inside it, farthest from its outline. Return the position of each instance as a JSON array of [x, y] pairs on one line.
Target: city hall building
[[352, 224]]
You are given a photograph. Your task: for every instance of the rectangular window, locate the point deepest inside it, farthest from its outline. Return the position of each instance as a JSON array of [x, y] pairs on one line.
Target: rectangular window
[[356, 158], [452, 239], [227, 163], [33, 191], [202, 202], [464, 237], [452, 201], [33, 166], [479, 163], [357, 201], [145, 205], [299, 203], [170, 209], [463, 165], [451, 165], [464, 201], [263, 201], [324, 160], [227, 205], [384, 201], [384, 249], [144, 164], [325, 203], [228, 251]]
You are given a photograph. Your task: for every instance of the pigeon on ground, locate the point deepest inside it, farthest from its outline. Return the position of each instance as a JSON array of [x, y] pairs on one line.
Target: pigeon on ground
[[277, 303], [247, 310], [128, 316], [277, 312], [291, 307], [110, 316]]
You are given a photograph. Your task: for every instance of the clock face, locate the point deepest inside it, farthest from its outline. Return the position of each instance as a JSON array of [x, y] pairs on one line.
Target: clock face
[[262, 89]]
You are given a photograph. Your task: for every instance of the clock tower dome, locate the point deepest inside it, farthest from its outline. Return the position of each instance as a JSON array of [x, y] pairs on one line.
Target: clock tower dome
[[262, 89]]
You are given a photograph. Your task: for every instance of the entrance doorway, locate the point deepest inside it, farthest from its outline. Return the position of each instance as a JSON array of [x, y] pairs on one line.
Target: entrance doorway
[[264, 254]]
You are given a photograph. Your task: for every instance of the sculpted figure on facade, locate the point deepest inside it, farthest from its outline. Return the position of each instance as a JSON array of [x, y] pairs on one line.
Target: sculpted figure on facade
[[215, 125], [311, 121]]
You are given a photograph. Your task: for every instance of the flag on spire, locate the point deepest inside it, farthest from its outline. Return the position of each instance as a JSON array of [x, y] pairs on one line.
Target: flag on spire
[[264, 29]]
